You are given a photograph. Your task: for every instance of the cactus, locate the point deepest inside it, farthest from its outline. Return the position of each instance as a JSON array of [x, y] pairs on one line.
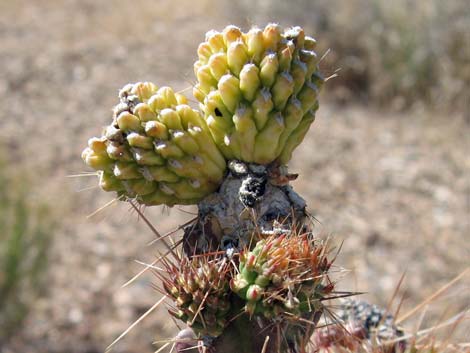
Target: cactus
[[252, 276], [251, 266]]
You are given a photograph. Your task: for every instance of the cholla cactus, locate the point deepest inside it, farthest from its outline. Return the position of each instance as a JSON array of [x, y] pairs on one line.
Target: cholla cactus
[[252, 276]]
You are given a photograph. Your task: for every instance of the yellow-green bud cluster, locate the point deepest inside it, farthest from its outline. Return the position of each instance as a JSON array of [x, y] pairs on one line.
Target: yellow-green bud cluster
[[200, 290], [157, 149], [258, 90], [283, 274]]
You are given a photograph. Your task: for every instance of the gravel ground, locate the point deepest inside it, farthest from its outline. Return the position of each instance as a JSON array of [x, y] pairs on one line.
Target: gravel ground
[[394, 186]]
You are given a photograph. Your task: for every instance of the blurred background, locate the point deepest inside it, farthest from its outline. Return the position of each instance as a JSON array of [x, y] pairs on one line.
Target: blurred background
[[385, 167]]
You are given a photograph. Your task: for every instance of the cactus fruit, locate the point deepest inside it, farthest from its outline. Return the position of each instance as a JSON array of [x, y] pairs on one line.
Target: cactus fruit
[[157, 150], [258, 90], [258, 94], [200, 289], [251, 267], [283, 274]]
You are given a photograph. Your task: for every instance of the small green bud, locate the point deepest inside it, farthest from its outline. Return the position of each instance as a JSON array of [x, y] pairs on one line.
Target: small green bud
[[156, 129], [206, 81], [229, 88], [237, 56], [254, 293], [141, 186], [267, 140], [144, 112], [141, 141], [171, 119], [272, 36], [184, 141], [310, 43], [157, 103], [168, 149], [125, 171], [162, 174], [255, 43], [231, 34], [168, 96], [269, 68], [249, 81], [282, 90], [108, 182], [246, 130], [216, 41], [199, 93], [144, 90], [299, 73], [308, 96], [128, 122], [146, 157], [285, 57], [97, 161], [218, 65], [310, 59], [204, 52], [262, 106]]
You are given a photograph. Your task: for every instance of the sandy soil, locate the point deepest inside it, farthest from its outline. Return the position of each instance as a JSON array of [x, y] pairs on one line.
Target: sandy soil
[[395, 187]]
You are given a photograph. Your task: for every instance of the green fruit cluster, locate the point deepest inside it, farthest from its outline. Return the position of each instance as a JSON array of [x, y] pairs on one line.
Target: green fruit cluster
[[200, 290], [283, 274], [258, 90], [258, 94], [157, 150]]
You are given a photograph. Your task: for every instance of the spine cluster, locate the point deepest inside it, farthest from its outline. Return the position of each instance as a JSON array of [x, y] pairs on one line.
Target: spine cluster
[[199, 288], [280, 276], [283, 274]]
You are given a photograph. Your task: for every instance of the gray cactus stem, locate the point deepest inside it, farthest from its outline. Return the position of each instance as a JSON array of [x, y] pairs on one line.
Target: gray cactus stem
[[252, 198]]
